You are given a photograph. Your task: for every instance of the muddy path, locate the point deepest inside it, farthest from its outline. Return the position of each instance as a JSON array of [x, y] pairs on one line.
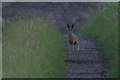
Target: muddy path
[[86, 63]]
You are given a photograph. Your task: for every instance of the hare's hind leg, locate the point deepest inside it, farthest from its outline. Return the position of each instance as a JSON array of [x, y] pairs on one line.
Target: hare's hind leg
[[71, 47]]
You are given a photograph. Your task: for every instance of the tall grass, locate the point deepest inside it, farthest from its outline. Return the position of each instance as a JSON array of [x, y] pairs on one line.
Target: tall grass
[[104, 26], [32, 48]]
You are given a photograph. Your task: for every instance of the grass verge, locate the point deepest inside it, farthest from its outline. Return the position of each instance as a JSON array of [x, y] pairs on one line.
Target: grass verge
[[32, 48], [104, 26]]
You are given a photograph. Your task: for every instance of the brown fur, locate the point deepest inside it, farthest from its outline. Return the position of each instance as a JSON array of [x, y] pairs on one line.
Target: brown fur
[[73, 39]]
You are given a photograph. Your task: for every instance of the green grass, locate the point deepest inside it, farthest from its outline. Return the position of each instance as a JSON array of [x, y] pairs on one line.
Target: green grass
[[0, 50], [104, 26], [32, 48]]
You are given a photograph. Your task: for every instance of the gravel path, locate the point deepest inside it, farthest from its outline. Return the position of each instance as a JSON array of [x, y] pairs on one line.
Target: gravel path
[[86, 63]]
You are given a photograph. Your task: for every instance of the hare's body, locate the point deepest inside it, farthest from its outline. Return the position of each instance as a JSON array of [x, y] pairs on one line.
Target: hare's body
[[73, 39]]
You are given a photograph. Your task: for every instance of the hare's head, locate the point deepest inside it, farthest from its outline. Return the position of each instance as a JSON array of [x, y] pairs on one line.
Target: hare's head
[[70, 28]]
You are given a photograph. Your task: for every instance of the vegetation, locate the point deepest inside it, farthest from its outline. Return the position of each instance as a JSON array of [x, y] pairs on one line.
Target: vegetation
[[104, 26], [32, 48]]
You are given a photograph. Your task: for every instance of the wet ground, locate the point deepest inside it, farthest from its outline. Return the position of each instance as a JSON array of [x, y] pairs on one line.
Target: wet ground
[[86, 63]]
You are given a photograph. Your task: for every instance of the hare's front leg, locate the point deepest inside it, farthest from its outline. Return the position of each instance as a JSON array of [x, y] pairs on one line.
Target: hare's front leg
[[78, 47]]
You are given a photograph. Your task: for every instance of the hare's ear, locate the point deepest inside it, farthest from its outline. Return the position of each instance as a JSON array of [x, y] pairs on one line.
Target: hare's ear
[[72, 26], [68, 25]]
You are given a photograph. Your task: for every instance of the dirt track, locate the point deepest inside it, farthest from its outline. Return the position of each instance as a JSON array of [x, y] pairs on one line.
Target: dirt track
[[86, 63]]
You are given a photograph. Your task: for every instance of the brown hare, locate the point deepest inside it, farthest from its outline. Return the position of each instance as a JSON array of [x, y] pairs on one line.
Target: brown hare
[[73, 39]]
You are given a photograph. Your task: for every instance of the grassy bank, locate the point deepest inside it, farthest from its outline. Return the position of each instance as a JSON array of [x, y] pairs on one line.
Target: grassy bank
[[32, 48], [104, 26]]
